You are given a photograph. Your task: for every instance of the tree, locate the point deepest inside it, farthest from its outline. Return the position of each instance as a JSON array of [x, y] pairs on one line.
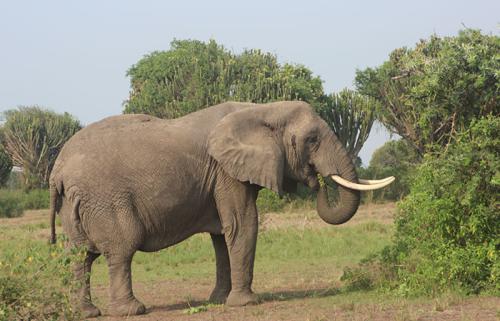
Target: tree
[[33, 139], [5, 162], [431, 92], [193, 75], [395, 158], [351, 116]]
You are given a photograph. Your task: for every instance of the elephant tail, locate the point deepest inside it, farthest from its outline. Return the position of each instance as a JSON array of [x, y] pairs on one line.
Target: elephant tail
[[54, 195]]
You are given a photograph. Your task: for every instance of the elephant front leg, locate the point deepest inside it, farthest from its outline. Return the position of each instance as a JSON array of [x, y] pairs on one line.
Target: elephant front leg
[[82, 274], [241, 246], [236, 205], [223, 274], [123, 301]]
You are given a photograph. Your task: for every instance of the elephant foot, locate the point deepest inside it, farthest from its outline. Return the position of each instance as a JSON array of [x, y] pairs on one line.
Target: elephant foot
[[219, 295], [240, 298], [131, 307], [88, 310]]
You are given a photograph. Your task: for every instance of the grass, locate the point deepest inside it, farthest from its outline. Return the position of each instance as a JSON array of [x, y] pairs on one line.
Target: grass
[[281, 252], [297, 267]]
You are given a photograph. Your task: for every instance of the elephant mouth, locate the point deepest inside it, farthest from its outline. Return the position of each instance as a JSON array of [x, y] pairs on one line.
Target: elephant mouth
[[312, 177]]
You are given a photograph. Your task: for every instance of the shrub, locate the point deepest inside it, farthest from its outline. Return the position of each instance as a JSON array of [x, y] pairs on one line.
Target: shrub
[[447, 230], [395, 158], [5, 165], [35, 284], [269, 201], [36, 199], [14, 202], [10, 204]]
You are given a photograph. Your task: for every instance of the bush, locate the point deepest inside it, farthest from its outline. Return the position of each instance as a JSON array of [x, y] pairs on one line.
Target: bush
[[10, 204], [269, 201], [14, 202], [36, 284], [5, 165], [36, 199], [395, 158], [447, 231]]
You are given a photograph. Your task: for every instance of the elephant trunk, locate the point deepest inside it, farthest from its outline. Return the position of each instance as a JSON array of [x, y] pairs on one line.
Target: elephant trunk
[[343, 211], [349, 199]]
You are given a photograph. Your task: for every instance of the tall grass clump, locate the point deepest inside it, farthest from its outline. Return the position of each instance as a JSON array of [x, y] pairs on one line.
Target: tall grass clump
[[36, 282]]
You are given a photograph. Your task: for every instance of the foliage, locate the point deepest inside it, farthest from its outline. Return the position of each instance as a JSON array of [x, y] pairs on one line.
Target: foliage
[[395, 158], [33, 139], [36, 283], [436, 89], [35, 199], [193, 75], [10, 204], [447, 232], [14, 202], [268, 201], [5, 165], [351, 116], [369, 274]]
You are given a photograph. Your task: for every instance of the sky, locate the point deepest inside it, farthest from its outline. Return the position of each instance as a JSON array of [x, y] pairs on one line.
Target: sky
[[73, 55]]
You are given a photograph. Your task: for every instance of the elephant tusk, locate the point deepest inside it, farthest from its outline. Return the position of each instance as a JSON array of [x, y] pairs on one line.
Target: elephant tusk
[[375, 181], [363, 187]]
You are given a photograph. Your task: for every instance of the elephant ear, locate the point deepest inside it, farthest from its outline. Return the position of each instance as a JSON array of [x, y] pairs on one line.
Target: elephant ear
[[248, 148]]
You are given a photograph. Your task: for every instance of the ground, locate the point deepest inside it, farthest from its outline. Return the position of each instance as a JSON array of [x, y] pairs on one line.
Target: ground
[[297, 274]]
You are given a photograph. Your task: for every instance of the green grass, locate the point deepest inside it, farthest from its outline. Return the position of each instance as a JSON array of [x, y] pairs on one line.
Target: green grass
[[282, 252], [278, 251], [291, 264]]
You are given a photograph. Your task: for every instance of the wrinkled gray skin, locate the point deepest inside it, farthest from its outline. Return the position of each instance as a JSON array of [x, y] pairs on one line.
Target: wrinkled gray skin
[[138, 183]]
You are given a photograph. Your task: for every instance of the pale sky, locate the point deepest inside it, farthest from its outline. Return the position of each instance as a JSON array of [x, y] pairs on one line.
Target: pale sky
[[72, 56]]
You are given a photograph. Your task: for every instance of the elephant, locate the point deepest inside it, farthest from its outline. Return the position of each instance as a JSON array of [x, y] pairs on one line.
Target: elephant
[[133, 183]]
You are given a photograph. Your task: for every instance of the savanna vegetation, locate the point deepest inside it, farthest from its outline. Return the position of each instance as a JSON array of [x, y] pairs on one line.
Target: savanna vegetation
[[440, 97], [32, 137]]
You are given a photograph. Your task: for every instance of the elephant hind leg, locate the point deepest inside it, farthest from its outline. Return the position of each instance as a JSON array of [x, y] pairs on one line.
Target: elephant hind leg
[[123, 301], [82, 274], [223, 276]]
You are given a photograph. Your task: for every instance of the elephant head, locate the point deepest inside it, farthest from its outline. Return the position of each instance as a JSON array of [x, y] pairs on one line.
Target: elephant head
[[270, 145]]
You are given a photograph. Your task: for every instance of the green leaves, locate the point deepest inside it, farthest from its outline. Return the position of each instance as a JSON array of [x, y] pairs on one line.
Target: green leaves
[[193, 75], [351, 116], [395, 158], [5, 165], [434, 90], [451, 215], [36, 283], [33, 139]]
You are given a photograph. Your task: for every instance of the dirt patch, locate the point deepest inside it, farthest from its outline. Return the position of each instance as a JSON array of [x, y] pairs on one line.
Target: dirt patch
[[382, 213], [173, 300]]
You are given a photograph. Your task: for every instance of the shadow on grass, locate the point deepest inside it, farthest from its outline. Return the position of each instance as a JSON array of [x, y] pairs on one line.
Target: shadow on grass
[[297, 294], [177, 306], [263, 297]]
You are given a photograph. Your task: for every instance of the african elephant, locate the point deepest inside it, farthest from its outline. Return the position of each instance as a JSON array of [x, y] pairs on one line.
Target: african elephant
[[138, 183]]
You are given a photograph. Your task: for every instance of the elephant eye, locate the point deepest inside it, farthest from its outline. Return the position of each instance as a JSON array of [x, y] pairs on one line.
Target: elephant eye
[[312, 139]]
